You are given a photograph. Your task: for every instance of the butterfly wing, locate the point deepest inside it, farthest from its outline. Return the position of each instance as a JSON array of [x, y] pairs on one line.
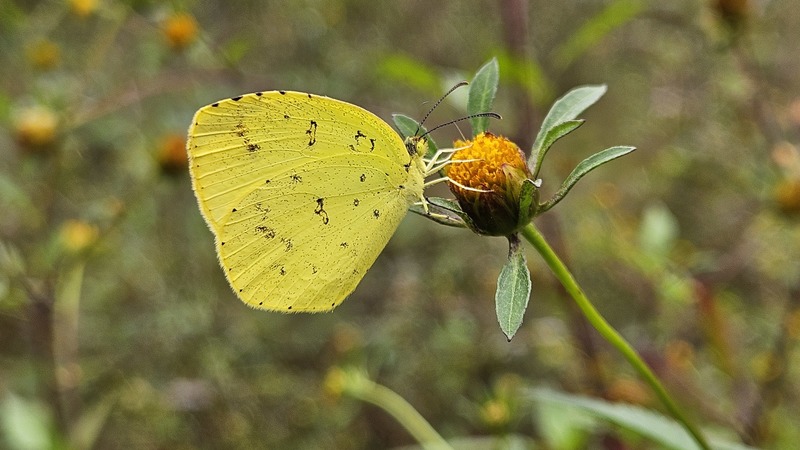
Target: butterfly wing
[[302, 193]]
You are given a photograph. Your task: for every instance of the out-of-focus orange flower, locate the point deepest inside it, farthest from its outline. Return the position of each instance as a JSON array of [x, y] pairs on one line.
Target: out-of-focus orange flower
[[787, 196], [180, 30], [172, 153]]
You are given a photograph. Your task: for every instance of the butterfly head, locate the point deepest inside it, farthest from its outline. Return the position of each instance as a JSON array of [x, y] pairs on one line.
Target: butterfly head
[[417, 146]]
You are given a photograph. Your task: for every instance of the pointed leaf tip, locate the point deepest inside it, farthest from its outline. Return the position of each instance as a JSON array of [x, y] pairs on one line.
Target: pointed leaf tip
[[567, 108], [513, 289]]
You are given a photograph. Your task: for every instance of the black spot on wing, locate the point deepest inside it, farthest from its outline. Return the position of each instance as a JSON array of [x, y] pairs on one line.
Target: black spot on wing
[[359, 135], [259, 94], [265, 231], [236, 99], [282, 92], [312, 133], [320, 210], [214, 105]]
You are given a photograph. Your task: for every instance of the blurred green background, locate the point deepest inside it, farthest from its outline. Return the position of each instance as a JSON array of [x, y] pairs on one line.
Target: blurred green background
[[118, 329]]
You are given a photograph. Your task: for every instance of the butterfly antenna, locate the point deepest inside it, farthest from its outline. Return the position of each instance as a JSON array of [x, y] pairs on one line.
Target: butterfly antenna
[[458, 85], [471, 116]]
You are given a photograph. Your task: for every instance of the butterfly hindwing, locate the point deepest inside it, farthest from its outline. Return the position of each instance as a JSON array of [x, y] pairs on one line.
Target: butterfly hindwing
[[302, 193]]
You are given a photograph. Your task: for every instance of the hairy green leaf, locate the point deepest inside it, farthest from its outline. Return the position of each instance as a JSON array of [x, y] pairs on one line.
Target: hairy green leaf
[[513, 289], [551, 136], [565, 109]]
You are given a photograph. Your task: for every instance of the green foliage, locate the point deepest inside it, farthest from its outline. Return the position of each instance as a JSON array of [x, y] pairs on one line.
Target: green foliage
[[616, 14], [398, 68], [513, 289], [659, 429], [482, 91], [560, 121]]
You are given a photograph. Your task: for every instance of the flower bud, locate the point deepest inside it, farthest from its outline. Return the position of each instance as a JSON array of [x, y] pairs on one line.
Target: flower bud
[[489, 183]]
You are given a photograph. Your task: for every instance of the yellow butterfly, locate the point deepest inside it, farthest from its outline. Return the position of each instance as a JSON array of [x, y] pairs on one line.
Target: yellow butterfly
[[302, 193]]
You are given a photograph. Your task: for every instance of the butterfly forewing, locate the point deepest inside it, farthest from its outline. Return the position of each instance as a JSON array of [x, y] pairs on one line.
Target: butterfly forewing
[[302, 193]]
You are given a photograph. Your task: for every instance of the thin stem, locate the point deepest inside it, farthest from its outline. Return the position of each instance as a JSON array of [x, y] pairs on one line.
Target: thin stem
[[607, 331], [358, 386]]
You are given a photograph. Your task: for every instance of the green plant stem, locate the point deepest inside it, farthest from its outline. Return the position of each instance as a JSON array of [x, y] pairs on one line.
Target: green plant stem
[[366, 390], [607, 331]]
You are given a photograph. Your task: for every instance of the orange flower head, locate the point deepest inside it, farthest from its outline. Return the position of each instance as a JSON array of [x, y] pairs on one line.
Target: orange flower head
[[488, 183]]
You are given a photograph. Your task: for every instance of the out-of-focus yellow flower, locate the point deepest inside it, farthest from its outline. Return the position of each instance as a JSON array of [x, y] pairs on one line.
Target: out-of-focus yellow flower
[[334, 383], [77, 235], [83, 8], [35, 127], [180, 30], [488, 184], [44, 54], [172, 153], [495, 413]]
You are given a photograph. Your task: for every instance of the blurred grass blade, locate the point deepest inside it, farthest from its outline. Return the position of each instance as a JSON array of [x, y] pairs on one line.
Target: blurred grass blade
[[410, 127], [586, 166], [528, 73], [513, 289], [660, 429], [87, 428], [595, 29], [403, 69], [482, 90], [565, 109], [26, 424]]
